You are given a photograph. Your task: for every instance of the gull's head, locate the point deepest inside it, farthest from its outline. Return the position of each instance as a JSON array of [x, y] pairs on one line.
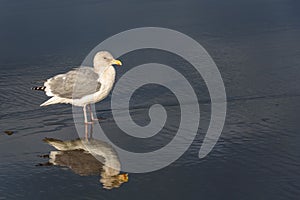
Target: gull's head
[[104, 59]]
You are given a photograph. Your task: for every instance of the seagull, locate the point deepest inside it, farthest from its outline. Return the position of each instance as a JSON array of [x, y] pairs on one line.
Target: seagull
[[83, 86]]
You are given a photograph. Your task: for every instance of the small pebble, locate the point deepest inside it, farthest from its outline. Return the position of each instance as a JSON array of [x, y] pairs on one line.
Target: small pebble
[[9, 132]]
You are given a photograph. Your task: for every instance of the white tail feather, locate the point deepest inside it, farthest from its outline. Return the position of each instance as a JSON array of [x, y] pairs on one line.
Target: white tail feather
[[53, 100]]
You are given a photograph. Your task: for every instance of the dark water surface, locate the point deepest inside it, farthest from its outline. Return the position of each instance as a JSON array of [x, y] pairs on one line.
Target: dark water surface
[[256, 46]]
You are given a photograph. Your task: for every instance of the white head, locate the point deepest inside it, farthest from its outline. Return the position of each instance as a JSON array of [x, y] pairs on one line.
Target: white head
[[104, 59]]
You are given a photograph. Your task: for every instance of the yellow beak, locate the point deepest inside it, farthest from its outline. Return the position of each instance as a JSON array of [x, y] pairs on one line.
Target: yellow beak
[[117, 62]]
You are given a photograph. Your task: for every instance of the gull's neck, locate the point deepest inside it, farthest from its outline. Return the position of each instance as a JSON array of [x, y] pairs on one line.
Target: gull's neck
[[100, 70]]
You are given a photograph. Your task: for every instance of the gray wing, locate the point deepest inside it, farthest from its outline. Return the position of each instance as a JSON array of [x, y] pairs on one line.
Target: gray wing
[[75, 84]]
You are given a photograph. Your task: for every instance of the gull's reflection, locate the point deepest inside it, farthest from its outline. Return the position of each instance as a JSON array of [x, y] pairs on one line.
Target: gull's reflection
[[88, 157]]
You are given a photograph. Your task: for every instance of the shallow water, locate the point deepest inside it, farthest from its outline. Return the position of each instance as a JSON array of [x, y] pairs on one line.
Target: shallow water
[[255, 45]]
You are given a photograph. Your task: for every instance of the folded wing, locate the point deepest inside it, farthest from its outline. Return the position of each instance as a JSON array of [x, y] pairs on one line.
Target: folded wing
[[75, 84]]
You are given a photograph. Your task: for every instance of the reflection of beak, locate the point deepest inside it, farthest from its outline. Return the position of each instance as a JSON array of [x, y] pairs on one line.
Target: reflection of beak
[[123, 177], [117, 62]]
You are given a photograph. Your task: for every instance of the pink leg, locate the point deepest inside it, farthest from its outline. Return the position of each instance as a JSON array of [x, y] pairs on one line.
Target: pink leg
[[85, 116], [86, 132], [91, 114]]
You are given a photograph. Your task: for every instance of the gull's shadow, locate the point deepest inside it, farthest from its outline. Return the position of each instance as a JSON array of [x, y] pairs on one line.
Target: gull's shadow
[[87, 157]]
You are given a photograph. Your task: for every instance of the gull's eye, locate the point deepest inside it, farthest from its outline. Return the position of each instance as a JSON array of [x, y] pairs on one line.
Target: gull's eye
[[105, 58]]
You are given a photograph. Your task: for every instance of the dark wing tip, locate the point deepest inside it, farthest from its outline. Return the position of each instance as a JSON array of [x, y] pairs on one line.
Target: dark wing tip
[[42, 88]]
